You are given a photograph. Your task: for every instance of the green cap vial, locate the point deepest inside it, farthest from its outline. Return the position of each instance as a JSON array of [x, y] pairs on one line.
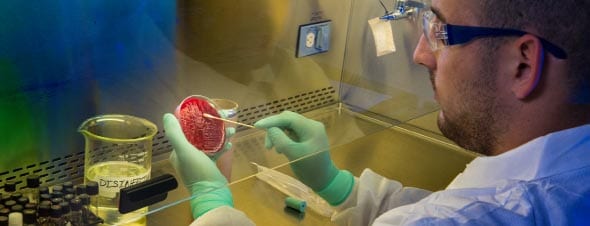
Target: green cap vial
[[296, 204]]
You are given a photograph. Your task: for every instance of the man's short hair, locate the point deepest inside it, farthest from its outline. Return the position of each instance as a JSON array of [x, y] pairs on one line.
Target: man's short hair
[[563, 22]]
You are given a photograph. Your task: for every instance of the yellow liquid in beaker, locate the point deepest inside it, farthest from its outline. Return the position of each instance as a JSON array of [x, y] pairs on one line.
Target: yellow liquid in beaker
[[111, 177]]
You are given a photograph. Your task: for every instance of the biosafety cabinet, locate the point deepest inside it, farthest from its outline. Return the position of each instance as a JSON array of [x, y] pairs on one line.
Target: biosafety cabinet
[[334, 61]]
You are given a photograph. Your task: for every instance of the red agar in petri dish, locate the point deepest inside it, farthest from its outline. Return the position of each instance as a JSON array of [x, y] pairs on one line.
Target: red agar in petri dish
[[208, 135]]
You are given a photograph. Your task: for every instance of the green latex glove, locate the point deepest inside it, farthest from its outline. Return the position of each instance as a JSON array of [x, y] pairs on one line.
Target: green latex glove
[[198, 172], [306, 144]]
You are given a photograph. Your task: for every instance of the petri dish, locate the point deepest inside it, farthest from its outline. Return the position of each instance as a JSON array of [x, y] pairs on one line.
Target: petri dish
[[207, 135]]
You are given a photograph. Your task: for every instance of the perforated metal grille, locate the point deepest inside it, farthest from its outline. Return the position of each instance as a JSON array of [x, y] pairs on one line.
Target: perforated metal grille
[[71, 167], [298, 103], [160, 145], [59, 169]]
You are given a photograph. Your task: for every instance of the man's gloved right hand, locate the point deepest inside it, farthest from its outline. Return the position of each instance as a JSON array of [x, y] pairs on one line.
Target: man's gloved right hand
[[307, 146]]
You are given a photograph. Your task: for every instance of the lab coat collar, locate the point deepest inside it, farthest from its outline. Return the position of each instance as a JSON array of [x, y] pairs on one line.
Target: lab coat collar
[[544, 156]]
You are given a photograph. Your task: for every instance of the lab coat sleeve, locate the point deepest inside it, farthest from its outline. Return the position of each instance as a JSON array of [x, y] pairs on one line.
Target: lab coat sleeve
[[372, 196], [223, 216]]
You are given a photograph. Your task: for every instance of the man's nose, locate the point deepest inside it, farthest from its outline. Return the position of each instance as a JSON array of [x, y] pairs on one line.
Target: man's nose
[[423, 54]]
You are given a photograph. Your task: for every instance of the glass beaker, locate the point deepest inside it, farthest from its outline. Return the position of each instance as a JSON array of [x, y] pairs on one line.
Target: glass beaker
[[230, 110], [118, 154]]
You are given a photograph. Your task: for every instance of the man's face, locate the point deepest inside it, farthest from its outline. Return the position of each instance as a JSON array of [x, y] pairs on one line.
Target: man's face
[[464, 82]]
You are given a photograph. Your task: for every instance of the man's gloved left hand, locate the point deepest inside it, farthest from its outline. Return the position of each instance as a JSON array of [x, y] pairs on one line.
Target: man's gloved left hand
[[198, 172]]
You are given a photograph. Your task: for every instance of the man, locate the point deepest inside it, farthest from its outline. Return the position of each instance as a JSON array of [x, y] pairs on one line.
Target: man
[[511, 81]]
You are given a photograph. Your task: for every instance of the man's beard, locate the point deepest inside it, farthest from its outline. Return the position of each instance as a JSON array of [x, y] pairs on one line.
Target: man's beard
[[471, 131], [476, 122]]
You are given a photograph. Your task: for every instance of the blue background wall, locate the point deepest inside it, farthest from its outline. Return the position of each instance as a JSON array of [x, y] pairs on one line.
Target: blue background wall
[[64, 61]]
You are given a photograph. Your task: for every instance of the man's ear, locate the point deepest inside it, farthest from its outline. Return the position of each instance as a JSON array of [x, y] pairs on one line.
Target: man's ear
[[530, 65]]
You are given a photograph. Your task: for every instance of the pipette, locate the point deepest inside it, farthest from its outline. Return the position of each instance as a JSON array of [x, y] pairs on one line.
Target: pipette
[[227, 120], [289, 133]]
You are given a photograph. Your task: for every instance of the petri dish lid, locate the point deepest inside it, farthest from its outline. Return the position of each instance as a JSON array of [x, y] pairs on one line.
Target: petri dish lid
[[207, 135]]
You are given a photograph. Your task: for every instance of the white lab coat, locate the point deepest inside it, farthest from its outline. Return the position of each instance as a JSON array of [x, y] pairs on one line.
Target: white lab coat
[[543, 182]]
